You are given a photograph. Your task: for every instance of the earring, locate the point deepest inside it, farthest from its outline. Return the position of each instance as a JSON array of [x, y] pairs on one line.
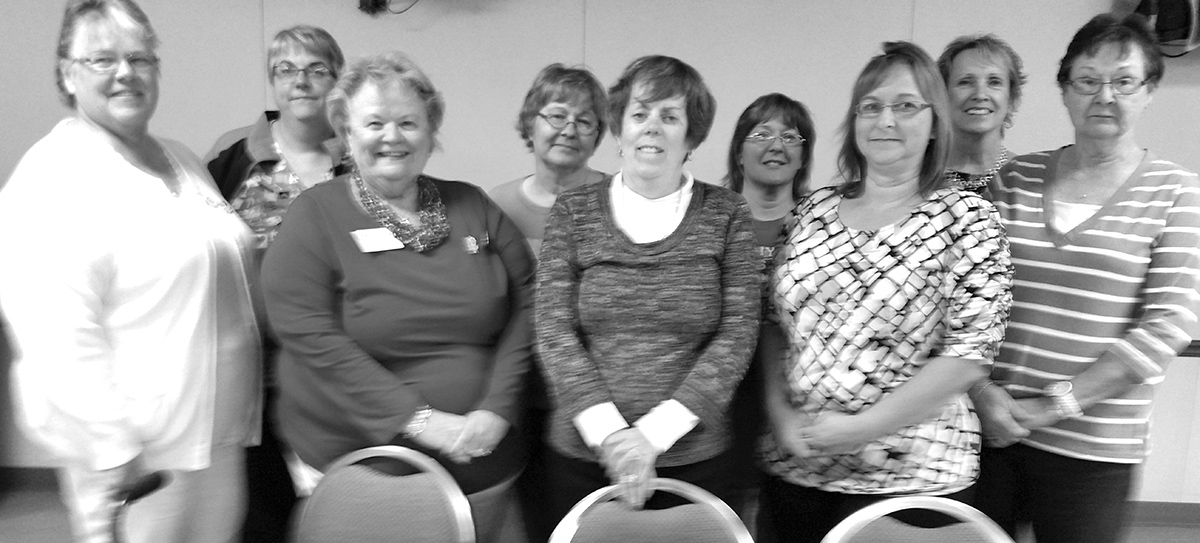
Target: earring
[[620, 151], [687, 157]]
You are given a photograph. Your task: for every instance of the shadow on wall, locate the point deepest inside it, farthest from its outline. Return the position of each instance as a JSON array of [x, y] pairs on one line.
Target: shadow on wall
[[1183, 71], [7, 423]]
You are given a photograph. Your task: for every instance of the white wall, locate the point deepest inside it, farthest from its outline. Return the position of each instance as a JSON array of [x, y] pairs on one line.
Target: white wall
[[484, 53], [1172, 473]]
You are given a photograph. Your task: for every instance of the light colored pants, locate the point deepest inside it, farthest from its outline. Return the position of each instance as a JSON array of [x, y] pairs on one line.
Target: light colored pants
[[205, 506]]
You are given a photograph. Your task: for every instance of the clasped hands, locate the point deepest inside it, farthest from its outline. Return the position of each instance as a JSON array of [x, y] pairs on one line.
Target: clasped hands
[[1006, 420], [628, 459], [463, 438], [826, 434]]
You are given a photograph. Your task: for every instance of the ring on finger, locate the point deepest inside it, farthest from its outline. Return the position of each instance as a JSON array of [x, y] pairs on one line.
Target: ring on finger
[[628, 478]]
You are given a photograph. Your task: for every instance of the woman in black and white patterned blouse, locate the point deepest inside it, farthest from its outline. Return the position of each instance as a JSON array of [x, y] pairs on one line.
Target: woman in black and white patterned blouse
[[889, 300]]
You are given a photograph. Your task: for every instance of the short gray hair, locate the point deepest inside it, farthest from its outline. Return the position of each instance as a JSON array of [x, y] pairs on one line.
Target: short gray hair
[[382, 69]]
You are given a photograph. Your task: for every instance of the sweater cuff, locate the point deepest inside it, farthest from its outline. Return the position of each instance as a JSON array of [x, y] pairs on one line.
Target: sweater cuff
[[598, 422], [666, 423]]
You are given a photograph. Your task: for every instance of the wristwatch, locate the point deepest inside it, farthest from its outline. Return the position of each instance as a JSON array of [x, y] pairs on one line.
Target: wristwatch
[[1064, 401]]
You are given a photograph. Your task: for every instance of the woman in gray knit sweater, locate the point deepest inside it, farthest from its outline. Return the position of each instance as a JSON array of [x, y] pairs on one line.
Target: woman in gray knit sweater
[[647, 303]]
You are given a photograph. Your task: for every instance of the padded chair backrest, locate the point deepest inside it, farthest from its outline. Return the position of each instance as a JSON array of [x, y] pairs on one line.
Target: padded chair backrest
[[872, 524], [600, 518], [359, 503]]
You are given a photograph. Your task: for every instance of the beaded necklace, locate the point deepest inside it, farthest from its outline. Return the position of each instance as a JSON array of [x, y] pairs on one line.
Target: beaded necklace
[[977, 182], [434, 227]]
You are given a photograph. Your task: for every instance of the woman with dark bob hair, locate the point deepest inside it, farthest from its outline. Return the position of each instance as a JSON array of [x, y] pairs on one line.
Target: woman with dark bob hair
[[983, 77], [401, 301], [647, 304], [562, 122], [770, 156], [888, 303], [1108, 237], [770, 159]]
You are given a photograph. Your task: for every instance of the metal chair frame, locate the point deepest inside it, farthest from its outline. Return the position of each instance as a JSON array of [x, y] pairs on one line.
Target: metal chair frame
[[459, 505], [569, 525], [853, 524]]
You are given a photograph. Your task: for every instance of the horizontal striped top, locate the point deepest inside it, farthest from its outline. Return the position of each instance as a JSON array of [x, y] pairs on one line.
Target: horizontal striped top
[[1122, 284]]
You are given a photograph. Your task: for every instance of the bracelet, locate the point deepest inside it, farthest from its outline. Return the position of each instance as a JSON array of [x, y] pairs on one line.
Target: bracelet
[[1067, 406], [417, 423], [978, 388]]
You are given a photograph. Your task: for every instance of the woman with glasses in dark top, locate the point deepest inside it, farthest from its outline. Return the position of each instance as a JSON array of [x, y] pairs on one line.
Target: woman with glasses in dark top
[[260, 170], [263, 167], [1107, 237], [887, 304], [770, 158], [562, 122]]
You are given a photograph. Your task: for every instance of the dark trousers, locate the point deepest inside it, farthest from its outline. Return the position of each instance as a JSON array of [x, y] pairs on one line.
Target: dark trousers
[[747, 421], [804, 515], [270, 495], [1066, 499], [531, 484], [569, 480]]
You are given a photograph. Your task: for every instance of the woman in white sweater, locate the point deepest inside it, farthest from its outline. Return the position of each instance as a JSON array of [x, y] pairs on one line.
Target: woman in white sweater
[[127, 298]]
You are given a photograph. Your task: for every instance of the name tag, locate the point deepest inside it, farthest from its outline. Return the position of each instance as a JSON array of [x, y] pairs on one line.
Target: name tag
[[374, 240]]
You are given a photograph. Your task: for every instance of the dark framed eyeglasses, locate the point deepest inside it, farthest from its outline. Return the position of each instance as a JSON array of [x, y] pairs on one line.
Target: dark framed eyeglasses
[[905, 109], [107, 63], [767, 138], [583, 125], [1121, 85], [289, 72]]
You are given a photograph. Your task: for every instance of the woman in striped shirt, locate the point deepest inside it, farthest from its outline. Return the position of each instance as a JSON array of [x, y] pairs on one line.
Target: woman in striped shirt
[[1105, 238]]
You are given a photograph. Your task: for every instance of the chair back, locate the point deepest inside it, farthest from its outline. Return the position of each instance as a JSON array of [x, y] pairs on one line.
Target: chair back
[[600, 518], [386, 494], [872, 524]]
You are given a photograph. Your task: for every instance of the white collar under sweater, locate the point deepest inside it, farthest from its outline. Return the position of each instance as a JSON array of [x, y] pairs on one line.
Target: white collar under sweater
[[646, 220]]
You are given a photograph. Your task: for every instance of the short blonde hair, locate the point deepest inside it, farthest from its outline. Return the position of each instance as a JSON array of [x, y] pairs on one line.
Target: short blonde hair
[[313, 39], [382, 69]]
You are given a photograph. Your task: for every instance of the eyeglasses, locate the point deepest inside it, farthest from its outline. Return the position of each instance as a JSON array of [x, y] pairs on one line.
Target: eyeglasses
[[107, 64], [767, 138], [1120, 85], [584, 126], [289, 72], [904, 110]]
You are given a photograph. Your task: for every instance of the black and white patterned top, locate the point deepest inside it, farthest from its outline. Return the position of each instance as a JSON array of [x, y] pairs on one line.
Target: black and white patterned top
[[864, 310]]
